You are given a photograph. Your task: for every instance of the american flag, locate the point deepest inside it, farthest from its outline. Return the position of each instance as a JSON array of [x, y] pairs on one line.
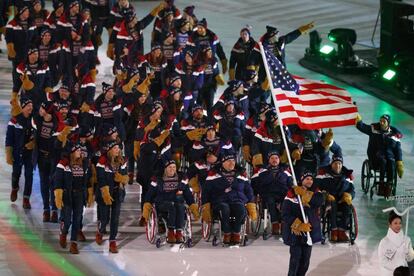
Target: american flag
[[307, 103]]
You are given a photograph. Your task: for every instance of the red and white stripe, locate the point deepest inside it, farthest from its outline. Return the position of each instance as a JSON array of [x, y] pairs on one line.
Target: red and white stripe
[[318, 105]]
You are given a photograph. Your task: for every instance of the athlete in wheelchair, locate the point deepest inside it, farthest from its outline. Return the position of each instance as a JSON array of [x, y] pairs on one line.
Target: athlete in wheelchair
[[272, 183], [169, 194], [227, 194], [384, 154], [336, 181]]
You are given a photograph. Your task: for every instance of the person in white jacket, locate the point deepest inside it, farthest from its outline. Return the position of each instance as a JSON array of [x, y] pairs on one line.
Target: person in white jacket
[[395, 248]]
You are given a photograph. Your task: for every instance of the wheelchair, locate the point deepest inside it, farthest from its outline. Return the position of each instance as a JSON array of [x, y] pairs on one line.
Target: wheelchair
[[352, 227], [211, 231], [156, 228], [370, 179], [263, 222]]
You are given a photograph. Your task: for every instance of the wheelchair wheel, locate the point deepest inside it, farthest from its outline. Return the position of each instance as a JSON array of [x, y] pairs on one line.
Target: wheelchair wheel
[[206, 230], [255, 225], [151, 228], [188, 227], [214, 242], [243, 233], [353, 228], [394, 183], [324, 223], [158, 243], [366, 176]]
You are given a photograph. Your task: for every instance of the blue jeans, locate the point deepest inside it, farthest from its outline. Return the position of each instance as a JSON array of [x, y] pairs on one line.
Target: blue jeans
[[46, 188], [227, 210], [20, 160], [345, 214], [175, 213], [269, 202], [109, 214], [129, 153], [299, 259], [72, 212]]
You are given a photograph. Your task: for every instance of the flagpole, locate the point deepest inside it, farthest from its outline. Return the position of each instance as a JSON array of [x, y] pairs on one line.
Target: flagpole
[[305, 219]]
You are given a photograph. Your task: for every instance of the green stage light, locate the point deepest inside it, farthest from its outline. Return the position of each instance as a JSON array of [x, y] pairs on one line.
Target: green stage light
[[389, 74], [332, 38], [326, 49]]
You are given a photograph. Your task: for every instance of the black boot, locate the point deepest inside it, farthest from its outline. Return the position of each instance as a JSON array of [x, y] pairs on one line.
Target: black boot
[[15, 188]]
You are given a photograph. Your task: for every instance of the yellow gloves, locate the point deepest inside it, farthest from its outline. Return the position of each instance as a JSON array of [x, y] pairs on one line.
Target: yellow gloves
[[193, 183], [121, 76], [160, 139], [232, 74], [265, 85], [10, 50], [219, 79], [137, 149], [298, 227], [347, 198], [251, 210], [127, 88], [15, 107], [93, 73], [91, 197], [27, 83], [257, 160], [194, 211], [110, 51], [305, 28], [151, 125], [224, 65], [146, 210], [157, 9], [58, 198], [328, 139], [206, 212], [358, 119], [85, 108], [305, 195], [195, 134], [330, 197], [296, 154], [106, 196], [284, 158], [144, 86], [30, 145], [9, 156], [48, 90], [14, 96], [122, 179], [400, 168], [246, 153], [63, 136]]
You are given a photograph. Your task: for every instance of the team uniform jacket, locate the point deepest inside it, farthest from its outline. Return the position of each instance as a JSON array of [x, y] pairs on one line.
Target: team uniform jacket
[[106, 174], [383, 142], [218, 189], [239, 57], [335, 184], [169, 189], [197, 42], [272, 180], [20, 37], [39, 74], [19, 133], [291, 211]]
